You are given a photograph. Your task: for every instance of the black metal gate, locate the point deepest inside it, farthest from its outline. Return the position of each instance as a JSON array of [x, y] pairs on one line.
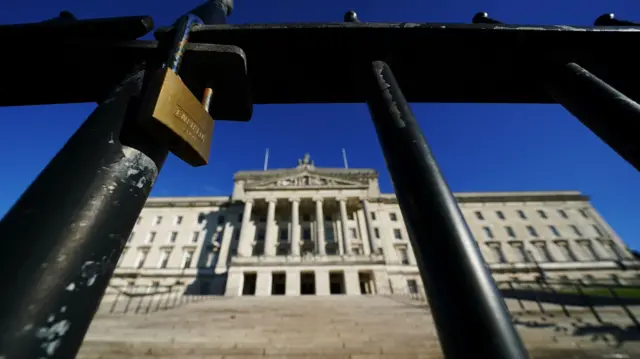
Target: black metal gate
[[67, 231]]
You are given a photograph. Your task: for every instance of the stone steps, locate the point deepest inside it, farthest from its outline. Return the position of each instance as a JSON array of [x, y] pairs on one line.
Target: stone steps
[[317, 327]]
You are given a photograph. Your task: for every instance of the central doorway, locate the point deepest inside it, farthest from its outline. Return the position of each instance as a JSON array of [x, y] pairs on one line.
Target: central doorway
[[307, 283], [249, 287], [336, 282], [278, 283]]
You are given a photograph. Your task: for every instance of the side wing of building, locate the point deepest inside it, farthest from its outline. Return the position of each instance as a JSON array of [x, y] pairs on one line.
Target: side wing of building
[[320, 231]]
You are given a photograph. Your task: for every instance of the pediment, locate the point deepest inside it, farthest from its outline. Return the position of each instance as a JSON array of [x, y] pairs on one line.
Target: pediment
[[306, 180]]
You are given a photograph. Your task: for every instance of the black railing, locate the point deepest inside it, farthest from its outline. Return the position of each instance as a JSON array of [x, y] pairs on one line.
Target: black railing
[[564, 297], [146, 299], [75, 236]]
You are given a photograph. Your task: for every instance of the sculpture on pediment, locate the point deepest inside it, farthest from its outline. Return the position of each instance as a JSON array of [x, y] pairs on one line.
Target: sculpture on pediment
[[286, 182], [305, 161]]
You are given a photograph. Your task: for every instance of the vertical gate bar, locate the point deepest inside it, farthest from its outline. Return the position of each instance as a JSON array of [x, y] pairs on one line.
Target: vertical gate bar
[[463, 296], [608, 113], [69, 227]]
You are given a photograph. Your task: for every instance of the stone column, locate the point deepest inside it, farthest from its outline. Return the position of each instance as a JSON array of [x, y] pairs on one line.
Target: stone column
[[244, 244], [322, 245], [270, 236], [369, 225], [345, 229], [223, 253], [295, 228]]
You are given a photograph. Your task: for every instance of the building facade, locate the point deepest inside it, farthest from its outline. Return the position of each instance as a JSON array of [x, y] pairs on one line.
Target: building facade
[[321, 231]]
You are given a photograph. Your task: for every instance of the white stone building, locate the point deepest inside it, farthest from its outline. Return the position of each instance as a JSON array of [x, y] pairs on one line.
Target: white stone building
[[312, 230]]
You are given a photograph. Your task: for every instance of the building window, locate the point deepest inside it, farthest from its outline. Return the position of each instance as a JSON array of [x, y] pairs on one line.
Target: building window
[[328, 233], [158, 220], [164, 258], [172, 237], [260, 235], [479, 215], [393, 217], [532, 231], [220, 220], [258, 249], [373, 216], [397, 234], [554, 231], [587, 247], [404, 256], [188, 257], [380, 251], [566, 251], [500, 214], [306, 234], [522, 215], [542, 214], [543, 252], [563, 214], [284, 234], [583, 213], [496, 251], [178, 220], [306, 218], [154, 287], [520, 253], [354, 233], [211, 256], [597, 230], [194, 237], [487, 232], [151, 237], [327, 218], [510, 231], [412, 285], [351, 216], [576, 230], [130, 237], [282, 250], [376, 233], [332, 250], [142, 257], [613, 250], [356, 250]]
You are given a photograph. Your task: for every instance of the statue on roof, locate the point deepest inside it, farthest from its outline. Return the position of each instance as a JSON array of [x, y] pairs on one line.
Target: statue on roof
[[305, 161]]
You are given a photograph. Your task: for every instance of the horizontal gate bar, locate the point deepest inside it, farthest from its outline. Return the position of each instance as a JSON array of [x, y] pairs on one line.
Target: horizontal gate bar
[[301, 63]]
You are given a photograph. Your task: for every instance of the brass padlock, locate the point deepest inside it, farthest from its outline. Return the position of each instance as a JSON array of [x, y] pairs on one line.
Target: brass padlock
[[177, 117]]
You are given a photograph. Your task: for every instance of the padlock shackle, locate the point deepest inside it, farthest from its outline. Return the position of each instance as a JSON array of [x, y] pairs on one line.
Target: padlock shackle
[[183, 28], [209, 13]]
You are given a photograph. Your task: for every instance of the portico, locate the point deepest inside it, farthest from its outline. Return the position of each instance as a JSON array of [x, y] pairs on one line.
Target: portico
[[305, 212]]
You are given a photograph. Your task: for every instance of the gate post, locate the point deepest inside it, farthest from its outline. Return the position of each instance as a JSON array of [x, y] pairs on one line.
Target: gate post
[[67, 231], [464, 298]]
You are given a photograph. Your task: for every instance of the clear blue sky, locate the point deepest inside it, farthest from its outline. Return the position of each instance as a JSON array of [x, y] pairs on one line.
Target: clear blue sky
[[479, 147]]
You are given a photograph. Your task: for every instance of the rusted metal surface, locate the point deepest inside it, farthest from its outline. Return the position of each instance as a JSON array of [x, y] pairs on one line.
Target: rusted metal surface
[[58, 273]]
